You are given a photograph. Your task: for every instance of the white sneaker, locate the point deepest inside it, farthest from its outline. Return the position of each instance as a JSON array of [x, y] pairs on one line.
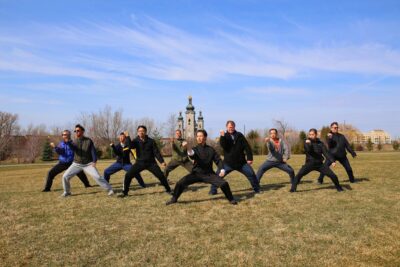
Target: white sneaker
[[110, 192], [65, 194]]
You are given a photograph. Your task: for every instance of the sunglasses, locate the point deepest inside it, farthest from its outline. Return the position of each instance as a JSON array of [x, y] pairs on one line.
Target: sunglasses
[[64, 135], [77, 131], [335, 127]]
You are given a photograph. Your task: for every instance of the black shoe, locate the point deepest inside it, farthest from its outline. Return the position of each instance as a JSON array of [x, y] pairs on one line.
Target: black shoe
[[122, 195], [339, 189], [320, 181], [292, 190], [257, 192], [233, 202], [352, 181], [46, 190], [171, 201], [87, 186], [213, 193], [169, 193]]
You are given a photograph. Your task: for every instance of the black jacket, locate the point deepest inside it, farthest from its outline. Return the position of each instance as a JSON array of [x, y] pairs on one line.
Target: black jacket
[[146, 151], [316, 151], [338, 145], [203, 157], [235, 145], [122, 152]]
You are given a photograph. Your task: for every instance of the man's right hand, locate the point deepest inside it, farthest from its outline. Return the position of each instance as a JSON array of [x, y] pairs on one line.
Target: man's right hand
[[52, 145], [222, 133], [267, 139], [308, 141], [184, 143], [329, 135], [126, 133], [111, 144]]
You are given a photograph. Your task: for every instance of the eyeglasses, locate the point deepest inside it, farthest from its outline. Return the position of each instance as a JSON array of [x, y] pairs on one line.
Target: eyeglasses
[[77, 131]]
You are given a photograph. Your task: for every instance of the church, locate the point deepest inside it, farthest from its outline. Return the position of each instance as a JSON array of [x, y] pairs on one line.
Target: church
[[189, 125]]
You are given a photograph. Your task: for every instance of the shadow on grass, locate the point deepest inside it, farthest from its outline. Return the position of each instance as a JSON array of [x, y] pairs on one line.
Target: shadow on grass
[[238, 197], [330, 187]]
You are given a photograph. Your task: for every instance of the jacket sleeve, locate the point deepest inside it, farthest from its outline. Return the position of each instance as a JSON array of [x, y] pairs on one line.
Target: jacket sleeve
[[308, 147], [72, 145], [331, 142], [59, 150], [223, 143], [217, 160], [177, 147], [327, 155], [348, 147], [131, 144], [116, 149], [271, 147], [247, 149], [93, 151], [157, 153]]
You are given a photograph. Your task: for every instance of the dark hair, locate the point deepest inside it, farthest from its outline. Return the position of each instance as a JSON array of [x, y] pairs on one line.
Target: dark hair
[[334, 123], [313, 130], [142, 126], [67, 131], [273, 129], [178, 130], [80, 127], [230, 122], [203, 132], [122, 133]]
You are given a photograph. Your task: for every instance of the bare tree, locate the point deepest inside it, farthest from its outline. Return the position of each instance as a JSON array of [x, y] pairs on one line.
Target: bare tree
[[34, 141], [286, 132], [8, 127], [150, 124], [171, 125]]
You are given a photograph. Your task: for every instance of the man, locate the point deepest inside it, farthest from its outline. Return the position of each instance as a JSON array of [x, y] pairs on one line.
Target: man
[[179, 155], [123, 152], [235, 146], [338, 144], [85, 159], [315, 152], [65, 159], [278, 156], [146, 152], [202, 172]]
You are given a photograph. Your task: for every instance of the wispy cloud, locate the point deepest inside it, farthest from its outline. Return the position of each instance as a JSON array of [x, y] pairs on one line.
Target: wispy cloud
[[275, 90], [152, 49]]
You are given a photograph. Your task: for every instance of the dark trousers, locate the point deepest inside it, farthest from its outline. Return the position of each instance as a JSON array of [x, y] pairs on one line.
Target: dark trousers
[[246, 170], [137, 168], [173, 164], [211, 178], [275, 164], [116, 167], [320, 167], [59, 168], [345, 163]]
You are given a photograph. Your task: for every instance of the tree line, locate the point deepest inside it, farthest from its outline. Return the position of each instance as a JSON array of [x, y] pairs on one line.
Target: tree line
[[26, 145]]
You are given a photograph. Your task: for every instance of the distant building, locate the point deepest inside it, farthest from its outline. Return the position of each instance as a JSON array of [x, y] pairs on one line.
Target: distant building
[[377, 137], [189, 125]]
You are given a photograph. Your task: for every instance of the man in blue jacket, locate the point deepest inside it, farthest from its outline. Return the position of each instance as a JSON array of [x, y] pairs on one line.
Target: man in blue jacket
[[338, 144], [122, 151], [65, 159]]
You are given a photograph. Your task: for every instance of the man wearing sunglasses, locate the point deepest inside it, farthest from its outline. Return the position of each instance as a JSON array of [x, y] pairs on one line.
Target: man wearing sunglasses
[[338, 144], [85, 159], [65, 159]]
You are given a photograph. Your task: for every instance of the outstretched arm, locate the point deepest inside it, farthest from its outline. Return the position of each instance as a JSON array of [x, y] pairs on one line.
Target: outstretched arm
[[157, 153], [348, 147]]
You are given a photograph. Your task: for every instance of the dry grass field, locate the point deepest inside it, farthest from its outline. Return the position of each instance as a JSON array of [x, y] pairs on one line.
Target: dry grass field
[[315, 227]]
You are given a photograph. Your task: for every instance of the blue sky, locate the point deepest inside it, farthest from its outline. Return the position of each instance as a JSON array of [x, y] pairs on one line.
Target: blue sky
[[308, 62]]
